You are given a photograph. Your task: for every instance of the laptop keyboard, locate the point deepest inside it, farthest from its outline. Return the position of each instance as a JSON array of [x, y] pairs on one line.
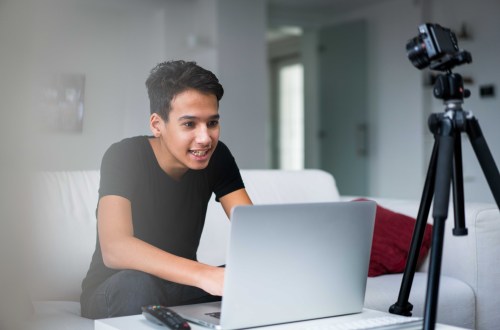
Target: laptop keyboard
[[216, 315], [375, 323], [389, 322]]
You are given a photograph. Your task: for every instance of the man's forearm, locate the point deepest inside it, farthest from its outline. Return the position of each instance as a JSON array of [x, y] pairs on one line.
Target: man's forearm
[[149, 259]]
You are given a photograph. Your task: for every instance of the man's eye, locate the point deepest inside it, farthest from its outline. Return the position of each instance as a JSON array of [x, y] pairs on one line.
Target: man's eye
[[188, 124], [213, 123]]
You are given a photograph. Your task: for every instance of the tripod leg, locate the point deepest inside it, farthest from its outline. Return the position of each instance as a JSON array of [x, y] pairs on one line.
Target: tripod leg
[[431, 299], [402, 306], [484, 157], [458, 190], [440, 213]]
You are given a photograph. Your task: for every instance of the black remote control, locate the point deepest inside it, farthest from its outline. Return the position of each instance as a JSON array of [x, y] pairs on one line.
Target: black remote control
[[165, 316]]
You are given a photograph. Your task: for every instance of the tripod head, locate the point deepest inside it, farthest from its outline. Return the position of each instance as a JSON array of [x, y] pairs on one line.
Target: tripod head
[[450, 86]]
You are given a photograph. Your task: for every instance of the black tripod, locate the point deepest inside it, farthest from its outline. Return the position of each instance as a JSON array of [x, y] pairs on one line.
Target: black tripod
[[445, 165]]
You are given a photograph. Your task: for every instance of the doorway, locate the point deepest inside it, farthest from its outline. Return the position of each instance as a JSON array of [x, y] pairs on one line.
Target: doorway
[[287, 114]]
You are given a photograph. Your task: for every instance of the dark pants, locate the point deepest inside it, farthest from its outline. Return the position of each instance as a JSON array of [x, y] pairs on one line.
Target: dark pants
[[127, 291]]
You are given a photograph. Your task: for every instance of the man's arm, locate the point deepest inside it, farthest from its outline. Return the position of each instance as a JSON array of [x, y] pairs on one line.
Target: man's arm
[[121, 250], [237, 197]]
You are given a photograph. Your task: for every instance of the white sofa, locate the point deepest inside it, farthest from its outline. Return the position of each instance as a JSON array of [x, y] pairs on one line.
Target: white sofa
[[64, 229]]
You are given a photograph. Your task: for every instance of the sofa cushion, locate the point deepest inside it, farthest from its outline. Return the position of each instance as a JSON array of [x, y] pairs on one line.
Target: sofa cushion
[[391, 242]]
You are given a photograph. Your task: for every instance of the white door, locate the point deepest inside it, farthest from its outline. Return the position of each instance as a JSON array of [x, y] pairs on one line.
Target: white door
[[343, 105]]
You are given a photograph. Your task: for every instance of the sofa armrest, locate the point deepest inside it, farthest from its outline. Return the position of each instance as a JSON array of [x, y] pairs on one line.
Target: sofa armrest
[[473, 258]]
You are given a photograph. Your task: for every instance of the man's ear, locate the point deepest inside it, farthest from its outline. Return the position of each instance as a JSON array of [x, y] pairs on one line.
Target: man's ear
[[155, 123]]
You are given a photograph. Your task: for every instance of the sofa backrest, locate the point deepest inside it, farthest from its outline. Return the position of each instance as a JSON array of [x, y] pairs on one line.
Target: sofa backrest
[[64, 222], [264, 187], [63, 230]]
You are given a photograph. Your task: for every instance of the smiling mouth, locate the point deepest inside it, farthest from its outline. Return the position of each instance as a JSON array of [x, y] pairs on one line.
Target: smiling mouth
[[199, 153]]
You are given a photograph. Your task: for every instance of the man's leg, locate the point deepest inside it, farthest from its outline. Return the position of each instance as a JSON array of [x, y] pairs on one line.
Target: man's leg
[[125, 292]]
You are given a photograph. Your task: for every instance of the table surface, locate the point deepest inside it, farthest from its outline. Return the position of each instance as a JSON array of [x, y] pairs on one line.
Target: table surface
[[138, 322]]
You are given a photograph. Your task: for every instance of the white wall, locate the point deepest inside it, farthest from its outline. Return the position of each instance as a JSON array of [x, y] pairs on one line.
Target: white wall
[[242, 67], [399, 102], [115, 43]]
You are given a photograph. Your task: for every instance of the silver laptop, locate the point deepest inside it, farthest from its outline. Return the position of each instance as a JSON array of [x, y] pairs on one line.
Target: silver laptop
[[291, 262]]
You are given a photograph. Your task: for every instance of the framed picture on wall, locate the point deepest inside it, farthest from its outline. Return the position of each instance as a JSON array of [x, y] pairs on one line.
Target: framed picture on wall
[[63, 103]]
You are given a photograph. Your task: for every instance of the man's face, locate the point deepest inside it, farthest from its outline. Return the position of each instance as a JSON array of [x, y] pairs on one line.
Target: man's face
[[189, 137]]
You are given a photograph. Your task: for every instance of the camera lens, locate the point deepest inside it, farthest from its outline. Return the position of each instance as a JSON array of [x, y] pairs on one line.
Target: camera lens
[[417, 52]]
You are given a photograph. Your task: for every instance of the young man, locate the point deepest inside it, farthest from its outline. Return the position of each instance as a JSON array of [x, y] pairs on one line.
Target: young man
[[153, 197]]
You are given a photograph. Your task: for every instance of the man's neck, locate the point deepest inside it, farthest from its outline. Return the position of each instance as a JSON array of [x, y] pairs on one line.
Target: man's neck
[[165, 163]]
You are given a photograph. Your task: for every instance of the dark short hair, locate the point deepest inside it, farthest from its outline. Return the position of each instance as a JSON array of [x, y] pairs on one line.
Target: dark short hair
[[171, 78]]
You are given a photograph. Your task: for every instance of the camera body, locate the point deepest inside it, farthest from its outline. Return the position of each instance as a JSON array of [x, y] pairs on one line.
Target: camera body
[[437, 47]]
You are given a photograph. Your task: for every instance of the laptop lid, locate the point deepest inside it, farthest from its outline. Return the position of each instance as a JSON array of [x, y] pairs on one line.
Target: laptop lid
[[293, 262]]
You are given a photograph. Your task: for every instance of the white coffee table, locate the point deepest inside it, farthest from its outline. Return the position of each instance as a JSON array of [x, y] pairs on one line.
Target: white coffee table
[[138, 322]]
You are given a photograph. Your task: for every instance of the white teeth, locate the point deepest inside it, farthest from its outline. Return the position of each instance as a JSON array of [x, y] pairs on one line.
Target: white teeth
[[199, 152]]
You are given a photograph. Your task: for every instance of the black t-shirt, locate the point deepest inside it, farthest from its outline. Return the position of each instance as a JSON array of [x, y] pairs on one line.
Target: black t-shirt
[[166, 213]]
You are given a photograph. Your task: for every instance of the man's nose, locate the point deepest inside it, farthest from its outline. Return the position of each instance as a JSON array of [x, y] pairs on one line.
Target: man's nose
[[202, 135]]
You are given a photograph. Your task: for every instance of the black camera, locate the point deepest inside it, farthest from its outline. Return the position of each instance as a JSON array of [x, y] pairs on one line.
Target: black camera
[[436, 47]]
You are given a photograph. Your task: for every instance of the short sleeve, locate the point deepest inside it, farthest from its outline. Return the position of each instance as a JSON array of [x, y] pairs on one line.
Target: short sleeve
[[226, 172], [117, 172]]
